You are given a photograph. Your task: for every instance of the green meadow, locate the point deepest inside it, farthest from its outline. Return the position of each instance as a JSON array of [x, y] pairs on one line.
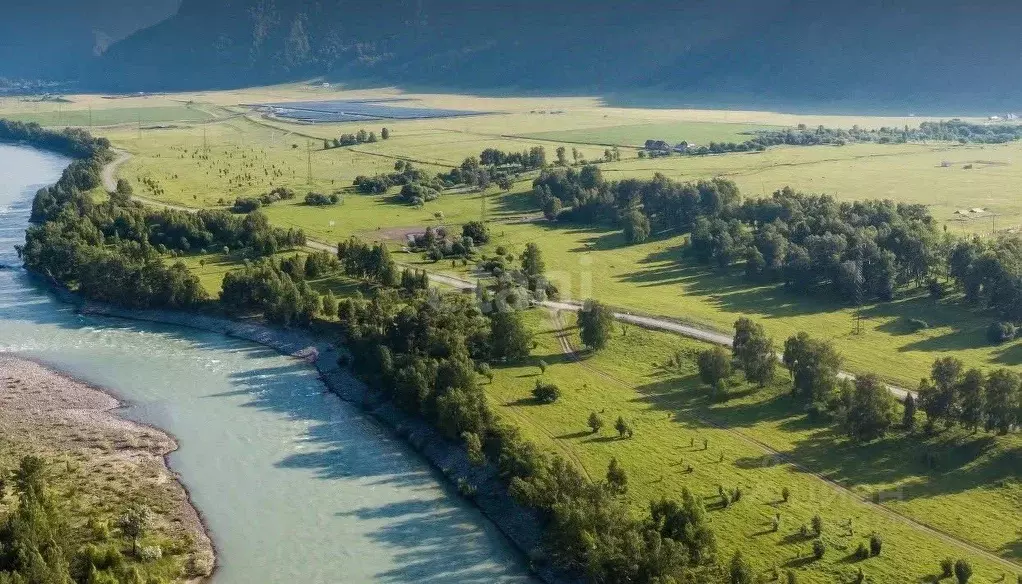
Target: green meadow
[[972, 493]]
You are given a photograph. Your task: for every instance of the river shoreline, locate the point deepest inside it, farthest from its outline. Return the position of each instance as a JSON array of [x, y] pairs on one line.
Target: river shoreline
[[54, 412], [520, 525]]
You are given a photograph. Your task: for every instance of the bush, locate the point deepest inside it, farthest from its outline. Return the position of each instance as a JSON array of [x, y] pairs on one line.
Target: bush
[[1001, 332], [862, 552], [319, 199], [477, 230], [546, 393], [817, 525], [785, 494], [819, 549], [246, 205], [875, 544], [935, 288], [860, 576], [150, 553], [963, 571], [947, 567]]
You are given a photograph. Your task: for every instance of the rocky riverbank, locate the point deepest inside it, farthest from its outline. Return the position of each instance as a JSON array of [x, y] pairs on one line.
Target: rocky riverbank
[[107, 459]]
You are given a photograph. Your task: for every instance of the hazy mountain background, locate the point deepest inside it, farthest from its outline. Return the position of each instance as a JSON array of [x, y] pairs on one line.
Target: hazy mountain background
[[52, 39], [931, 54]]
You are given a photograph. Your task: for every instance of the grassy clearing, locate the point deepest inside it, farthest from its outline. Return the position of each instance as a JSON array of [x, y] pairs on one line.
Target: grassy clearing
[[115, 116], [637, 134], [671, 412], [656, 278]]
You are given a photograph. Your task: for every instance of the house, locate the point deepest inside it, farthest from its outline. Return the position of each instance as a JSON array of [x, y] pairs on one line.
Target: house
[[684, 147]]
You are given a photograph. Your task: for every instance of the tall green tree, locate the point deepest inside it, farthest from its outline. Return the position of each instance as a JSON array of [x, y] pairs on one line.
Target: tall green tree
[[596, 324], [714, 366], [754, 352], [532, 260], [813, 364], [869, 410], [510, 339], [973, 399], [1003, 400]]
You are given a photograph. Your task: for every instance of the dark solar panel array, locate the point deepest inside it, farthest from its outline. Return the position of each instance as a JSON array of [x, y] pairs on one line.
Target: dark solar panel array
[[357, 110]]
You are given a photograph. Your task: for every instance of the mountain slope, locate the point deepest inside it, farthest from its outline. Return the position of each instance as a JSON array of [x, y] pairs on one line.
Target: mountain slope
[[936, 52]]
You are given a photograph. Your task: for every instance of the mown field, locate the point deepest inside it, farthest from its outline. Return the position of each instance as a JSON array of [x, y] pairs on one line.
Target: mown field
[[973, 494], [115, 116]]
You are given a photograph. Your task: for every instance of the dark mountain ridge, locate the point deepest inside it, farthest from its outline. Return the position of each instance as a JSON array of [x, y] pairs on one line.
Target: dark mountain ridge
[[932, 53]]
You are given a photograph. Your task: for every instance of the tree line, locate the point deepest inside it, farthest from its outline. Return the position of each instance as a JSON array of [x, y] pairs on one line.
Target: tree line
[[865, 408], [860, 251]]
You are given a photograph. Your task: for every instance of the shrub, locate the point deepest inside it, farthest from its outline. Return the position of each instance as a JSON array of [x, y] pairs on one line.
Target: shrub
[[319, 199], [246, 205], [875, 544], [862, 552], [150, 553], [595, 423], [947, 567], [477, 230], [546, 393], [623, 428], [466, 489], [785, 494], [817, 525], [791, 577], [860, 576], [1001, 332], [819, 549], [963, 571]]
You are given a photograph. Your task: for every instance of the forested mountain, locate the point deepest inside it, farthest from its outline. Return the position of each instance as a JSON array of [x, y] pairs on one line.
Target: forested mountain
[[927, 53], [50, 39]]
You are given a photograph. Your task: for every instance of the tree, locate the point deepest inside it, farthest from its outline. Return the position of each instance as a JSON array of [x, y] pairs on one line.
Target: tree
[[817, 523], [908, 419], [636, 227], [474, 448], [1003, 400], [546, 393], [551, 208], [595, 423], [562, 158], [870, 412], [739, 570], [754, 352], [617, 479], [714, 366], [876, 544], [971, 391], [134, 524], [532, 260], [595, 322], [622, 427], [813, 365], [940, 400], [819, 549], [510, 339], [477, 230], [385, 133], [963, 571]]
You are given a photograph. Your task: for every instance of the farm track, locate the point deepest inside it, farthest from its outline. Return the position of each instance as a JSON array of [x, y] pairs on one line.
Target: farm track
[[570, 352]]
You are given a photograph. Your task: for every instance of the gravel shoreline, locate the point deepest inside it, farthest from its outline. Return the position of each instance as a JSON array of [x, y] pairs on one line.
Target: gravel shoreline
[[53, 414], [521, 525]]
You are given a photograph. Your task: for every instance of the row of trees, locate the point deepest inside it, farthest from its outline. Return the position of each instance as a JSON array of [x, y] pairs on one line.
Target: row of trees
[[866, 408], [73, 142], [360, 137]]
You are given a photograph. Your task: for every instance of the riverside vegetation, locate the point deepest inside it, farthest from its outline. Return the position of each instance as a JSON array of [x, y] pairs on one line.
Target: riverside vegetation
[[429, 351]]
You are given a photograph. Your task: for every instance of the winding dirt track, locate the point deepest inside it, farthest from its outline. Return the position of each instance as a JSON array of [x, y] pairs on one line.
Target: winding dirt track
[[564, 339]]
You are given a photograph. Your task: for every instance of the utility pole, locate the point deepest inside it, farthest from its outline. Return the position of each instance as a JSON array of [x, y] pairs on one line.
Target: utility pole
[[308, 151]]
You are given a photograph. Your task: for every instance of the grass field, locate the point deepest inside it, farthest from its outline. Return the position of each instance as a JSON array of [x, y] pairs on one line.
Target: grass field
[[701, 133], [975, 496], [116, 116]]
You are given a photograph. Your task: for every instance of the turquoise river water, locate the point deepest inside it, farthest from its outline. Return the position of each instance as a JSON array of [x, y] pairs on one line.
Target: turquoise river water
[[295, 485]]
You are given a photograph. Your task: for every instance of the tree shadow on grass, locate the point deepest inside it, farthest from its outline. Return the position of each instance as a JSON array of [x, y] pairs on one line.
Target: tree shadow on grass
[[964, 461]]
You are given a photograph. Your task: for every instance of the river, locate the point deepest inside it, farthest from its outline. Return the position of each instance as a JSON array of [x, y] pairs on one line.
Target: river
[[295, 485]]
